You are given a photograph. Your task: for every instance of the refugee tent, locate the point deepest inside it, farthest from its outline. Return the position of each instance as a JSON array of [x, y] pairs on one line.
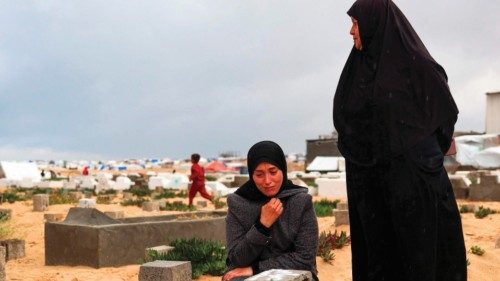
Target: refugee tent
[[323, 164], [217, 166], [479, 151], [19, 171]]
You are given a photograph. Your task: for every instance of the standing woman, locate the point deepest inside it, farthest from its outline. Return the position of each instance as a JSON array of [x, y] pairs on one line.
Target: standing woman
[[270, 222], [395, 117]]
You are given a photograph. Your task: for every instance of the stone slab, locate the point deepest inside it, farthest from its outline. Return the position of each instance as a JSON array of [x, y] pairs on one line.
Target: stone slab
[[3, 253], [342, 206], [202, 204], [341, 217], [40, 202], [282, 275], [150, 206], [86, 203], [53, 217], [15, 248], [161, 250], [115, 214], [165, 270]]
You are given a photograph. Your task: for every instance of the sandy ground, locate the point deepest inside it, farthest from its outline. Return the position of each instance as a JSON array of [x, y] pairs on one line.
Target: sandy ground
[[29, 225]]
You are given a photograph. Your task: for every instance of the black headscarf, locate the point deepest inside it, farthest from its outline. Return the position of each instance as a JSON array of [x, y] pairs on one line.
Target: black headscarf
[[392, 93], [269, 152]]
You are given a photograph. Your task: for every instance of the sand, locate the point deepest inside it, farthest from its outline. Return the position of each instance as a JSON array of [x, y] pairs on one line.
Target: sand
[[29, 225]]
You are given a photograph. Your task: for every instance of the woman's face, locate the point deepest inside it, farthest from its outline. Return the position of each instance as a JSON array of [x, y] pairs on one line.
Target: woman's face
[[268, 179], [355, 34]]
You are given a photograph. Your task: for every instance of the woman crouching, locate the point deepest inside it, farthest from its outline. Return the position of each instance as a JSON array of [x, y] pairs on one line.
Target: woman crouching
[[271, 222]]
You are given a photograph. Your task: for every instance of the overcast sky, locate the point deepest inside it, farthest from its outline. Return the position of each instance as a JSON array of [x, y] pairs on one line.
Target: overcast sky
[[121, 79]]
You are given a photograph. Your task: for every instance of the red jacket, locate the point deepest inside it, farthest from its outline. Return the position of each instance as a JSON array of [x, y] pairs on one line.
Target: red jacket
[[197, 176]]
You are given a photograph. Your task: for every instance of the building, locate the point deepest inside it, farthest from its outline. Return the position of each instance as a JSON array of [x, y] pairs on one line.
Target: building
[[324, 145], [493, 113]]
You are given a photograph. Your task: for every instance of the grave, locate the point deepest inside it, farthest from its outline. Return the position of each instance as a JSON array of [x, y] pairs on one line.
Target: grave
[[282, 275], [2, 263], [150, 206], [341, 214], [40, 202], [161, 250], [460, 187], [128, 196], [86, 203], [101, 241], [202, 204], [488, 189], [331, 187], [14, 248], [165, 270]]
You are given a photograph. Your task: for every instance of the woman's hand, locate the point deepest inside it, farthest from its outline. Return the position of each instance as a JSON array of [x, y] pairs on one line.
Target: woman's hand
[[270, 212], [237, 272]]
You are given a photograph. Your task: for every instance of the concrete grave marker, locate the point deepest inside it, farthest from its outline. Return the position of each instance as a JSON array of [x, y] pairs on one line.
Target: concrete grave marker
[[75, 195], [150, 206], [341, 214], [2, 263], [40, 202], [86, 203], [14, 248], [165, 270]]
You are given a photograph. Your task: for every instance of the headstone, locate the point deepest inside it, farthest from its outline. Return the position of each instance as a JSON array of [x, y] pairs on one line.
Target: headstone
[[159, 189], [5, 214], [53, 217], [331, 187], [202, 204], [128, 196], [282, 275], [165, 270], [150, 206], [75, 195], [3, 253], [40, 203], [161, 250], [86, 203], [162, 204], [115, 214], [342, 206], [104, 199], [341, 214], [14, 248]]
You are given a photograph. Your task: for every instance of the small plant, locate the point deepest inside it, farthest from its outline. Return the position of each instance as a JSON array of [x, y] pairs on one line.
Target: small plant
[[177, 206], [140, 192], [137, 202], [473, 177], [107, 192], [327, 242], [39, 190], [468, 262], [218, 203], [12, 197], [476, 250], [60, 198], [483, 212], [5, 230], [210, 178], [206, 256], [324, 208], [465, 209], [182, 194], [166, 194]]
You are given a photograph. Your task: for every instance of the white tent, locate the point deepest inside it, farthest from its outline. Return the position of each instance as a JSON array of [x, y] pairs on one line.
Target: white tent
[[25, 173], [480, 151], [324, 164]]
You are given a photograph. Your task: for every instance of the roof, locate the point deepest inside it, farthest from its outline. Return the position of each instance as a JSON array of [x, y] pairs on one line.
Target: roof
[[493, 93]]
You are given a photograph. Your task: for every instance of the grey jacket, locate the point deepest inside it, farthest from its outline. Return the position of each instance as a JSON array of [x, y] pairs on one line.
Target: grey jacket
[[294, 236]]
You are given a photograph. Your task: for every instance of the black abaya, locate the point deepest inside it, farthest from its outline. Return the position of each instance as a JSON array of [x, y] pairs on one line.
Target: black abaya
[[395, 115]]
